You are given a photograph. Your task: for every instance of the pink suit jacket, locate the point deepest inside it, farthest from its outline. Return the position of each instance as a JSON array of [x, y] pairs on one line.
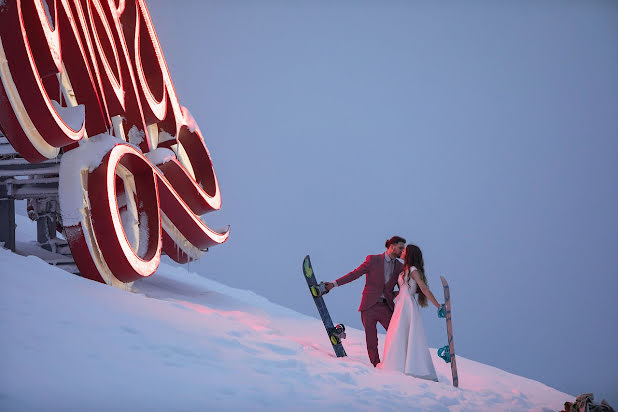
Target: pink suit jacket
[[373, 267]]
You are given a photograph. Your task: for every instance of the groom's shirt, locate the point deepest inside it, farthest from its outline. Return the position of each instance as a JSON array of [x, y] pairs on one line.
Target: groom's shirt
[[389, 266]]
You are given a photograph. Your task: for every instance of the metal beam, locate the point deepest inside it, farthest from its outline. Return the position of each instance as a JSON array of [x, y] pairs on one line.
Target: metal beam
[[7, 223]]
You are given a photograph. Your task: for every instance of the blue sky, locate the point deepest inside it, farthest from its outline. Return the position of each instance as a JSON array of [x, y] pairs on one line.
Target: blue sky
[[484, 132]]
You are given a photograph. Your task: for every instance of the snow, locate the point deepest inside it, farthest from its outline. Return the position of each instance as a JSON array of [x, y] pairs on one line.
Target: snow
[[129, 221], [87, 156], [144, 234], [136, 136], [180, 341], [189, 119], [160, 155], [74, 116]]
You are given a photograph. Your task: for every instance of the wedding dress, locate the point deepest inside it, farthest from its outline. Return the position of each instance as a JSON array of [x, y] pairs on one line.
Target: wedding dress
[[405, 346]]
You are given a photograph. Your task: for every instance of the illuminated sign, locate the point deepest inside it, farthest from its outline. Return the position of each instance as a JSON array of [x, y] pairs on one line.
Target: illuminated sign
[[87, 79]]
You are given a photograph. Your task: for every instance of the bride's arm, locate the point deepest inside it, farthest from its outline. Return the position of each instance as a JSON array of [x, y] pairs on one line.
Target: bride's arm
[[424, 288]]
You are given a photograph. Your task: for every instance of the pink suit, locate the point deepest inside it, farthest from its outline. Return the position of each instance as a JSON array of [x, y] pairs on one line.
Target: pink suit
[[371, 309]]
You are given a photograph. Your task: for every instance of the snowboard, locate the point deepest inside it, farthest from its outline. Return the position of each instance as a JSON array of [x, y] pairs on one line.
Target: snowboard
[[448, 352], [335, 333]]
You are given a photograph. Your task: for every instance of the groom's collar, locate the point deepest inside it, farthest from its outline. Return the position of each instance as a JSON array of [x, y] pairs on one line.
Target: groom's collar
[[388, 258]]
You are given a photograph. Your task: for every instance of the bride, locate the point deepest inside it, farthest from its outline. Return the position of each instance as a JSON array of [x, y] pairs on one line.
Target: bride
[[405, 346]]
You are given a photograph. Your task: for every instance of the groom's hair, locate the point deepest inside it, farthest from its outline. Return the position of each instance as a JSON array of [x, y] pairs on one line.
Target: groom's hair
[[394, 240]]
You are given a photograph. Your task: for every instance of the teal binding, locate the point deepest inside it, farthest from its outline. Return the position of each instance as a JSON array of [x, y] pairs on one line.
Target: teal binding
[[442, 311], [445, 353]]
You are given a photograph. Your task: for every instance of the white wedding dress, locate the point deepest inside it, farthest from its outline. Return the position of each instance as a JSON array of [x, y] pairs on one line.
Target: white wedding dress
[[405, 346]]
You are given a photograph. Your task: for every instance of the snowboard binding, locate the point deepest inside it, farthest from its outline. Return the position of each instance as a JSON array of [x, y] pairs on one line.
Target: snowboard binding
[[445, 353], [337, 333], [319, 290], [442, 311]]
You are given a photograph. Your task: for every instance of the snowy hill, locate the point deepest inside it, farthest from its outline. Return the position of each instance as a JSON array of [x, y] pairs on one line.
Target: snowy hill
[[183, 342]]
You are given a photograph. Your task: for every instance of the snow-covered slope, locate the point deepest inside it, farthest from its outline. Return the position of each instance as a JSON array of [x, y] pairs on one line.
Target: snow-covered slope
[[183, 342]]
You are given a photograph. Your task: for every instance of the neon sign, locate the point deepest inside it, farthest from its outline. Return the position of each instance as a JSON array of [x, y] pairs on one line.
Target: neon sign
[[87, 79]]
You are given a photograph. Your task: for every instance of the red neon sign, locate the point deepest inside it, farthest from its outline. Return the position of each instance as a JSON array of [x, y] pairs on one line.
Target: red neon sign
[[88, 78]]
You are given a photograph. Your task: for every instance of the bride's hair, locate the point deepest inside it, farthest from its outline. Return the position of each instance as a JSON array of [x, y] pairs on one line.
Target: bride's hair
[[414, 257]]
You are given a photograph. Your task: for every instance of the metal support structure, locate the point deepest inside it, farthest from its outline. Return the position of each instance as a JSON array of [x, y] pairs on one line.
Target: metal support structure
[[38, 184], [46, 232], [7, 223]]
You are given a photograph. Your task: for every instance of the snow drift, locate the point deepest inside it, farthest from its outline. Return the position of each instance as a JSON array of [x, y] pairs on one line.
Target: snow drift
[[179, 341]]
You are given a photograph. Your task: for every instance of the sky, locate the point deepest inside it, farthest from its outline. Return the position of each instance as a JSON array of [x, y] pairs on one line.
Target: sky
[[486, 133]]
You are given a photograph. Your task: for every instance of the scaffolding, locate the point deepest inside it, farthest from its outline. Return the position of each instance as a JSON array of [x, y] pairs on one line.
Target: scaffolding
[[37, 184]]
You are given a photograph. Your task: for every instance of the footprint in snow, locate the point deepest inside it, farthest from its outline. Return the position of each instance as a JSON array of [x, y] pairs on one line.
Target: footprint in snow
[[281, 350]]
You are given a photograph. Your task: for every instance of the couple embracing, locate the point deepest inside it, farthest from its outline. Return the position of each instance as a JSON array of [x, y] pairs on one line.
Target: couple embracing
[[405, 347]]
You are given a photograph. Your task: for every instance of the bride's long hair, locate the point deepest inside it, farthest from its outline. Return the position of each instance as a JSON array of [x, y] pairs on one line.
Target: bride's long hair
[[414, 257]]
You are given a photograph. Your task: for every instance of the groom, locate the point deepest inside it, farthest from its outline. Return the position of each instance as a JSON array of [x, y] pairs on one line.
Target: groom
[[377, 301]]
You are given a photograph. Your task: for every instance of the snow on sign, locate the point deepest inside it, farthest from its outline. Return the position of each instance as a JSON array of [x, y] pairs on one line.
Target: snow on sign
[[86, 83]]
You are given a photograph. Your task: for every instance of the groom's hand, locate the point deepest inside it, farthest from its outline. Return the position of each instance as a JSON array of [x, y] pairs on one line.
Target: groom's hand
[[329, 286]]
